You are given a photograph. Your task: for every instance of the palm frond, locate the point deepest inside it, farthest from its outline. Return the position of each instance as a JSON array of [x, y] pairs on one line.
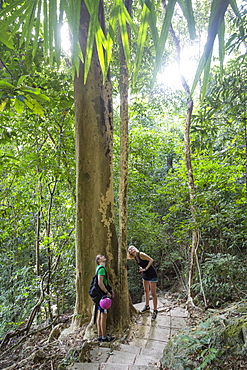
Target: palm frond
[[141, 40], [186, 6], [164, 34], [221, 37], [217, 13]]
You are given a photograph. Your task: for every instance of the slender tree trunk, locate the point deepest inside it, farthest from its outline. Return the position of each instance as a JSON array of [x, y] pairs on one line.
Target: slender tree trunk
[[95, 226], [49, 254], [123, 183], [37, 243], [191, 183]]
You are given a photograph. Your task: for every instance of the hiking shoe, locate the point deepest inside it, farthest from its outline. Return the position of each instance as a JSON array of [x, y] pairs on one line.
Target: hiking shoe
[[107, 338], [145, 309], [99, 338], [154, 314]]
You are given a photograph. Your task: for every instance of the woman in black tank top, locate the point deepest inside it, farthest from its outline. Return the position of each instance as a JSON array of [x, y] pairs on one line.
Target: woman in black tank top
[[149, 277]]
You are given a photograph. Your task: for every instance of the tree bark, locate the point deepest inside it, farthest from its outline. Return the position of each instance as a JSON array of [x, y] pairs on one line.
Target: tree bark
[[123, 181], [95, 226]]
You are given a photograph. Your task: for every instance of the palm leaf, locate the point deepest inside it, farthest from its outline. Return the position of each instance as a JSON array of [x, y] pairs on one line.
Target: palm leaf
[[221, 37], [141, 40], [164, 34], [37, 29], [186, 6], [218, 9], [234, 6], [123, 15], [153, 23], [206, 76], [93, 8], [28, 24], [6, 39], [73, 11]]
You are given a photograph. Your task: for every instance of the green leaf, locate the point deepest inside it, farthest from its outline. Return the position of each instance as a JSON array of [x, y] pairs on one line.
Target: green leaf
[[141, 39], [34, 106], [221, 37], [92, 29], [3, 104], [73, 11], [5, 38], [152, 23], [217, 13], [21, 79], [37, 30], [164, 34], [124, 33], [186, 6], [6, 85], [19, 106]]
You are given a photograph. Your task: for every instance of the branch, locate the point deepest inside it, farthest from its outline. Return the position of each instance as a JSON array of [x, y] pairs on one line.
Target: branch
[[36, 307], [31, 317], [28, 335]]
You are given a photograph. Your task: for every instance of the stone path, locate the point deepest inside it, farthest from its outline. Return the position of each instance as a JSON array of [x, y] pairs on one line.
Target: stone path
[[145, 345]]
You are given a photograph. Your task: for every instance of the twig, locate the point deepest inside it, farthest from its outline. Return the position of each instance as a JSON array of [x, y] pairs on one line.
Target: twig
[[28, 335]]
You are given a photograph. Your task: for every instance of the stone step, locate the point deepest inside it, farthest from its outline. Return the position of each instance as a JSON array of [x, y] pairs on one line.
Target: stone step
[[93, 366], [115, 366], [127, 357]]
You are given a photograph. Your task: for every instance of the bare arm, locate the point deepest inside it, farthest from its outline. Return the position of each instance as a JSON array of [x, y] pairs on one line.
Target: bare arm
[[146, 257], [102, 285]]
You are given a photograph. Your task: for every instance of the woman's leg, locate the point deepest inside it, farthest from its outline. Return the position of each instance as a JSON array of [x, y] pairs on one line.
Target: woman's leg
[[154, 295], [146, 285]]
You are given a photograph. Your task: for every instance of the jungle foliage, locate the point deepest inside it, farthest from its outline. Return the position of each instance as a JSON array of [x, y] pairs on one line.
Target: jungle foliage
[[37, 166]]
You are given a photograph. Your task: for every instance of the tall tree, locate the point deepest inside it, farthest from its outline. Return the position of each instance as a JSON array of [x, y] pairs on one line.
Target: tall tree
[[93, 102], [95, 226], [123, 178]]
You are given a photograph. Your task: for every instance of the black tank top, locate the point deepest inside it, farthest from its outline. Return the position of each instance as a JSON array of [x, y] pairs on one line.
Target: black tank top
[[150, 273]]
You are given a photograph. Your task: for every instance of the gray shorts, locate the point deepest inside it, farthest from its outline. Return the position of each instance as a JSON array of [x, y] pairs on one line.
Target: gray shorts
[[153, 280]]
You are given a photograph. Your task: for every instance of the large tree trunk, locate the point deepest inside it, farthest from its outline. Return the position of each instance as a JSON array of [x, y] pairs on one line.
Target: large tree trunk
[[95, 227]]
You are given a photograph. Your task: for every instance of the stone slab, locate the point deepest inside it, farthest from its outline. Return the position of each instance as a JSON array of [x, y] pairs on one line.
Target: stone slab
[[143, 332], [130, 348], [162, 321], [179, 312], [119, 357], [139, 306], [146, 360], [160, 334], [179, 322], [139, 342], [100, 354], [154, 348], [85, 366], [114, 367]]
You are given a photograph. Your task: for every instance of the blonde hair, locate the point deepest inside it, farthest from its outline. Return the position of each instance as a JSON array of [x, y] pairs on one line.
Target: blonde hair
[[130, 256]]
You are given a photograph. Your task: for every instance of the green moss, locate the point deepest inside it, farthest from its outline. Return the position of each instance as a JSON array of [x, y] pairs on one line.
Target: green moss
[[233, 335]]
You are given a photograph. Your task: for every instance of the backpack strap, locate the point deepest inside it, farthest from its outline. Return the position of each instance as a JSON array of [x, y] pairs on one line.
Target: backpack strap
[[102, 267]]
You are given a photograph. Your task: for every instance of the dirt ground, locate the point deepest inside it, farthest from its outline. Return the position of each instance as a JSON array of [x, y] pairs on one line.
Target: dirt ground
[[47, 350]]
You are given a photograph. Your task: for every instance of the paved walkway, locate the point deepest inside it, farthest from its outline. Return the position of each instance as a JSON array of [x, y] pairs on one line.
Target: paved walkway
[[145, 345]]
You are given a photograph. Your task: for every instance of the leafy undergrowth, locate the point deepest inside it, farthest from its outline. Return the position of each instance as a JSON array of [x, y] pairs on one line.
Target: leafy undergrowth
[[47, 350], [216, 340]]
